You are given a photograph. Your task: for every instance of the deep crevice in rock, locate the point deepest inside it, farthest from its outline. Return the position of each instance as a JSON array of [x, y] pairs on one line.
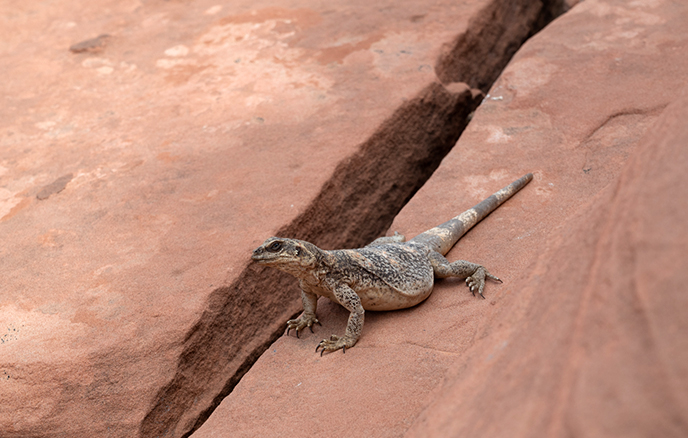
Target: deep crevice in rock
[[357, 204], [478, 56]]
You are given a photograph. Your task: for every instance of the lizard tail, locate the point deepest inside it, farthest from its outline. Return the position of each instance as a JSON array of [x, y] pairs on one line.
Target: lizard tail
[[443, 237]]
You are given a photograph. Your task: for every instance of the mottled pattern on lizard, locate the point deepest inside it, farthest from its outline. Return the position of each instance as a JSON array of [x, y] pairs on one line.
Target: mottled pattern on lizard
[[388, 274]]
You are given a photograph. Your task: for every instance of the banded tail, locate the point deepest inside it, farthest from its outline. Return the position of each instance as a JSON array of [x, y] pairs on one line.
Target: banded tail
[[444, 236]]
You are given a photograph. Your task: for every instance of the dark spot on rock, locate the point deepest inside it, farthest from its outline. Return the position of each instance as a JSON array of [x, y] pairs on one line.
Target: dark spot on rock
[[93, 45], [55, 187]]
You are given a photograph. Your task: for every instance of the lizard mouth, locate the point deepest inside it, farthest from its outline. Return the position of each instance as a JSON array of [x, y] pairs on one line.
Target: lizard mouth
[[259, 255]]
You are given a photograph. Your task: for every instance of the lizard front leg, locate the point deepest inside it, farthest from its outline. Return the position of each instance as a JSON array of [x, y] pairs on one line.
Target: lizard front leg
[[473, 273], [348, 298], [307, 318]]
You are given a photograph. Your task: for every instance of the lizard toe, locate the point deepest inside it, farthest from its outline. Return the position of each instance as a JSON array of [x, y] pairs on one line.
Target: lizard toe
[[493, 277], [334, 343], [300, 323]]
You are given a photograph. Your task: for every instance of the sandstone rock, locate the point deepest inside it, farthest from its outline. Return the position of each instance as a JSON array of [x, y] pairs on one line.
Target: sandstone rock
[[586, 336], [597, 347], [138, 171]]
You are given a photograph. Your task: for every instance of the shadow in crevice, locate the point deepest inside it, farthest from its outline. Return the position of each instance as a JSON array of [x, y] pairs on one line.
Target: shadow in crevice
[[479, 55]]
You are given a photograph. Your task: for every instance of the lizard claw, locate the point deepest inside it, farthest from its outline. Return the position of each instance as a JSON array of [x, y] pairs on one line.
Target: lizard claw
[[334, 343], [302, 322], [476, 282], [493, 277], [321, 344]]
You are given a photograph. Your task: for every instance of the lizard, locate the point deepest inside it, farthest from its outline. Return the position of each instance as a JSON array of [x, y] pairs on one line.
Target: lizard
[[389, 273]]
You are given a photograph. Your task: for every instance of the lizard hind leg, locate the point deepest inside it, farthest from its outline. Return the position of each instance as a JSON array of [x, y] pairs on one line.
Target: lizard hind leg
[[473, 273]]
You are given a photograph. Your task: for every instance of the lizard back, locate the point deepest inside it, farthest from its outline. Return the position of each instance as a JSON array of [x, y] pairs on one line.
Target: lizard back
[[390, 275]]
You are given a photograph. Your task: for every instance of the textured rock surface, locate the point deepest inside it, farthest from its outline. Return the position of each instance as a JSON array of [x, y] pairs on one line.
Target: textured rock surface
[[147, 147], [586, 337]]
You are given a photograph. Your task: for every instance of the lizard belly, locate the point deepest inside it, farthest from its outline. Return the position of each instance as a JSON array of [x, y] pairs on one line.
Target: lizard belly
[[382, 296], [390, 299]]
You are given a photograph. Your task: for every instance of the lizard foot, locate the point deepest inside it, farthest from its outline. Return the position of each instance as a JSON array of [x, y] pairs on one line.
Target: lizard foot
[[302, 322], [476, 282], [334, 344]]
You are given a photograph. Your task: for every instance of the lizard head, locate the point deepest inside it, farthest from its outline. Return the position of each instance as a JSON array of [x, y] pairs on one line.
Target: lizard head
[[289, 255]]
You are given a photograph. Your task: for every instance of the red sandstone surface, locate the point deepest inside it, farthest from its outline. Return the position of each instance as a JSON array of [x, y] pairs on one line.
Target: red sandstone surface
[[587, 336], [147, 147]]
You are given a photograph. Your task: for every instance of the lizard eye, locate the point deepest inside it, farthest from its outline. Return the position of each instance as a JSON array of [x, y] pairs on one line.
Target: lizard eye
[[275, 246]]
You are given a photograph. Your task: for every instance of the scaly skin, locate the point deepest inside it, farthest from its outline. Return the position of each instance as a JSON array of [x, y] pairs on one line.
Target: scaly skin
[[389, 273]]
